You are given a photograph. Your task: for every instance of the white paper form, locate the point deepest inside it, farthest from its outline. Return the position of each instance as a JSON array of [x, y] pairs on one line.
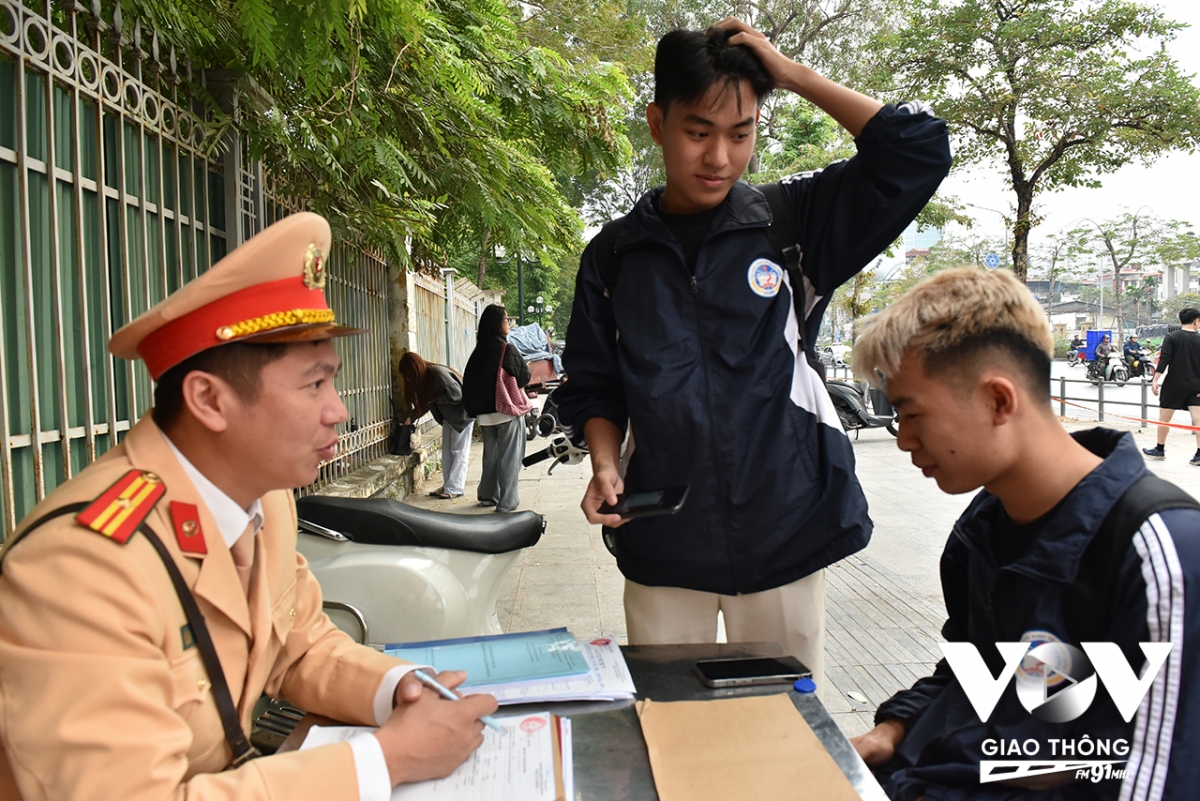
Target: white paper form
[[607, 679], [513, 764]]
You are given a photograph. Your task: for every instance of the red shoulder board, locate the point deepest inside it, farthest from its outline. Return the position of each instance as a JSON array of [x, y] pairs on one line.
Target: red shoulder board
[[121, 509]]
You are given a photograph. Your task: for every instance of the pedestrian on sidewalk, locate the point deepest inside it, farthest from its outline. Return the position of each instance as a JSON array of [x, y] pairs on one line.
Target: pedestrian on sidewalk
[[694, 345], [1181, 386], [438, 389], [1071, 543], [503, 434]]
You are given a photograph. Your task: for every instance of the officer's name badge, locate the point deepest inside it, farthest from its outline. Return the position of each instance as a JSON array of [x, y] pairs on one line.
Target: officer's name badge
[[121, 509]]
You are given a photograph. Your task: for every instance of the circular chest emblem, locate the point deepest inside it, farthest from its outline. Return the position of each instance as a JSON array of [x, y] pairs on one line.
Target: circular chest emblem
[[764, 277]]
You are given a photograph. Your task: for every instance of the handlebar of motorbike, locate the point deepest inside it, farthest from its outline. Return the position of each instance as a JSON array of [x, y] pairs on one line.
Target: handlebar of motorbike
[[540, 456]]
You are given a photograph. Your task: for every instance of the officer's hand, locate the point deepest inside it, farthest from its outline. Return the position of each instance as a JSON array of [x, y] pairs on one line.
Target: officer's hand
[[1154, 389], [428, 737], [604, 487], [879, 744]]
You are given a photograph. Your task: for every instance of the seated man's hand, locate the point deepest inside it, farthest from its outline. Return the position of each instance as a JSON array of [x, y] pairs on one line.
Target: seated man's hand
[[878, 745], [428, 737]]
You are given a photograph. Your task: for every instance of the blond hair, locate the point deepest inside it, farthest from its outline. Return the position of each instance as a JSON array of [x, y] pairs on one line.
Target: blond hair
[[946, 312]]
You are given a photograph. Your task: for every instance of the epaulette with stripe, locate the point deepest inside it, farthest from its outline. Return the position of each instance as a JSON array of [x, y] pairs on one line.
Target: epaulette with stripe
[[121, 509]]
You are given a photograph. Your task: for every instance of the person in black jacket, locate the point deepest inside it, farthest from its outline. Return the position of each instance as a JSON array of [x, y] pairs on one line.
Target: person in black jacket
[[1045, 601], [438, 389], [503, 435], [707, 370]]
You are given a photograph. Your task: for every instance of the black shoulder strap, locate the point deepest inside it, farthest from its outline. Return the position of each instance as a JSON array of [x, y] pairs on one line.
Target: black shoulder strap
[[607, 260], [784, 238], [235, 737], [1088, 603]]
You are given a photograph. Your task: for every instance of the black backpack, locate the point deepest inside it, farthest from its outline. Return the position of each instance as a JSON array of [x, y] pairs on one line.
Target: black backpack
[[783, 238], [1088, 603]]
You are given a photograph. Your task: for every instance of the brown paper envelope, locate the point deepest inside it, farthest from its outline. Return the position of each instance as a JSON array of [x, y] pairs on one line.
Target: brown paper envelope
[[752, 748]]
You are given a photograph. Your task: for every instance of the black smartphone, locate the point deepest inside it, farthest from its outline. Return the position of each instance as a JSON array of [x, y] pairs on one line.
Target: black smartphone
[[745, 671], [645, 504]]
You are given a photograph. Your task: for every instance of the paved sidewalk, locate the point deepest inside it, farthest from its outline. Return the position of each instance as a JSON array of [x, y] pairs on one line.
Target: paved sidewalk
[[884, 603]]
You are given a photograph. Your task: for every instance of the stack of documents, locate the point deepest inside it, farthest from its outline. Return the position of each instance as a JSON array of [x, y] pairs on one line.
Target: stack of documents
[[607, 679], [530, 667], [529, 759], [500, 658]]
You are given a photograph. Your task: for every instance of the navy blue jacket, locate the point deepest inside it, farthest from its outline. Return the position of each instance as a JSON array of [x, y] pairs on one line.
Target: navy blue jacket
[[1157, 599], [707, 370]]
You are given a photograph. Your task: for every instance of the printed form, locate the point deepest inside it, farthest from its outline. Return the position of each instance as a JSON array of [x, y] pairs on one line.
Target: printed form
[[516, 763]]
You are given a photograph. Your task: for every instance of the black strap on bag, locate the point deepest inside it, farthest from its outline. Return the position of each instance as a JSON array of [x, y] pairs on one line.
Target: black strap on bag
[[783, 236], [234, 735], [1088, 603]]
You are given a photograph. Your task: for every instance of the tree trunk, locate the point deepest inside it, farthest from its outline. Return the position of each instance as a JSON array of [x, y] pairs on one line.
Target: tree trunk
[[483, 256], [1021, 227]]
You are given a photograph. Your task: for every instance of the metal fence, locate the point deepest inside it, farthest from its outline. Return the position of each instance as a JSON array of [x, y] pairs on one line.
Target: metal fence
[[108, 203], [428, 298]]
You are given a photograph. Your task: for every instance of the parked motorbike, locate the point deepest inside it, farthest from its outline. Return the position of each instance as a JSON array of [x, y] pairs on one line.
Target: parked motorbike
[[1077, 356], [858, 408], [391, 573], [1110, 368], [1138, 363]]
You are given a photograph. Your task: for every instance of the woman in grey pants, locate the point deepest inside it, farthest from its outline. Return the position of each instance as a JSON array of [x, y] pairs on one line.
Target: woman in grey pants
[[503, 435]]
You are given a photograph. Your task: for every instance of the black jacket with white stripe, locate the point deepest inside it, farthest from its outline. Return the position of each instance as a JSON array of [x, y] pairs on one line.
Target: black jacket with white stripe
[[1156, 599]]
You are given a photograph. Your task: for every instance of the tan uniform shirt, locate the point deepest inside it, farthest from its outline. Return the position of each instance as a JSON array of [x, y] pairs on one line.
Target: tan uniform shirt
[[100, 698]]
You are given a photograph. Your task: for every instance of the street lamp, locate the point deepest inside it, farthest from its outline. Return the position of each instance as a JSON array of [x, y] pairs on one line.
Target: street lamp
[[540, 307], [1003, 216]]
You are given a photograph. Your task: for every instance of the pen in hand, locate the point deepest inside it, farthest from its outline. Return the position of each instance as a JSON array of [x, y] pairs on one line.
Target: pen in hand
[[450, 695]]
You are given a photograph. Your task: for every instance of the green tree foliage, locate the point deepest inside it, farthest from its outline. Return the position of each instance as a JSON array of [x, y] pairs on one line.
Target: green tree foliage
[[1060, 92], [1170, 308], [1129, 240], [436, 124]]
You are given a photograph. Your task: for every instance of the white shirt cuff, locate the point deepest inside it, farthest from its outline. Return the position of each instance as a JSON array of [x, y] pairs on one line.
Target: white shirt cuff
[[374, 780], [386, 694]]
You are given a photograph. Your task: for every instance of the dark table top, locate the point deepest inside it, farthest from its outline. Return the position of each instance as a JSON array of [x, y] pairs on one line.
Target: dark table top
[[611, 761]]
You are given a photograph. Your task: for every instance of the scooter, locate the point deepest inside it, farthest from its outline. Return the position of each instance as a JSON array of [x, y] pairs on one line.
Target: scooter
[[393, 573], [1110, 368], [1138, 362], [851, 402], [1076, 357]]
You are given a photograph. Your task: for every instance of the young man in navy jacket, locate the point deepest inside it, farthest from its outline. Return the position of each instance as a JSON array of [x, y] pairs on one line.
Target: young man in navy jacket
[[693, 343], [1051, 569]]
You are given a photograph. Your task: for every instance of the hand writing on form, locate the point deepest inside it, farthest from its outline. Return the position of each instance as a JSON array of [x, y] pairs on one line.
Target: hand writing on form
[[428, 738]]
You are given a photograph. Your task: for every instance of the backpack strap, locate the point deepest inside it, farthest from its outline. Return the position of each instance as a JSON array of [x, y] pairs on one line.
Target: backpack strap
[[784, 239], [235, 736], [607, 260], [1088, 603]]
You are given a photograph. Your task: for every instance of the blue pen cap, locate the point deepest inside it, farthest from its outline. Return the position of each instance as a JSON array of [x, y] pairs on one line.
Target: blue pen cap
[[805, 685]]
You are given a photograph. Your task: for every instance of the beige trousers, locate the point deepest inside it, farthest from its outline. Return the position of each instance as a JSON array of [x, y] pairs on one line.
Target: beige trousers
[[792, 615]]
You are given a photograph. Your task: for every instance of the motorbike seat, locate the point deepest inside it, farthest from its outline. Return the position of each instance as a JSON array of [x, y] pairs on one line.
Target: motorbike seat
[[382, 521]]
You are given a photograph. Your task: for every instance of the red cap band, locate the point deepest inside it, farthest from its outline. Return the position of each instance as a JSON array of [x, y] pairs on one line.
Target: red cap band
[[195, 331]]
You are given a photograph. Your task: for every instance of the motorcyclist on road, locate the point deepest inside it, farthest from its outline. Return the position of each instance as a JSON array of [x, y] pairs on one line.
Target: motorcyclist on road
[[1132, 347], [1103, 349]]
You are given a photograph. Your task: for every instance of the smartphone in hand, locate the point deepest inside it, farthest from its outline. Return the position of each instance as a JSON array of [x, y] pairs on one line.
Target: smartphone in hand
[[647, 504]]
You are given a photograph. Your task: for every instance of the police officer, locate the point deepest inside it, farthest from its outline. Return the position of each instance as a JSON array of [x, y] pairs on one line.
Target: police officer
[[148, 603]]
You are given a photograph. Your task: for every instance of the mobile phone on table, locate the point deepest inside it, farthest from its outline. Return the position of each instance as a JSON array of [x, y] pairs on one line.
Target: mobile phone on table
[[746, 671], [646, 504]]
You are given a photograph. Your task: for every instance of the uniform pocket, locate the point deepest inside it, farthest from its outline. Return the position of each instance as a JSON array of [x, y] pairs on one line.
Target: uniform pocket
[[283, 614]]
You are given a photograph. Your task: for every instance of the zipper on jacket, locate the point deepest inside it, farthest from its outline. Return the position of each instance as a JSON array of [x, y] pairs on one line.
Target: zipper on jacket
[[694, 290]]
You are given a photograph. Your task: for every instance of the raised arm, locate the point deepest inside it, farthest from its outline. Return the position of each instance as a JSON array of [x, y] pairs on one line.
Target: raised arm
[[850, 108]]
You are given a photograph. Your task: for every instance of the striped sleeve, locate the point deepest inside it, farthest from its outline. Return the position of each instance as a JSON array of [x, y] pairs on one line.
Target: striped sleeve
[[1164, 761]]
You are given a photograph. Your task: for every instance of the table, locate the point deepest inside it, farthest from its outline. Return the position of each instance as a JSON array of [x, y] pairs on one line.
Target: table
[[611, 762]]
